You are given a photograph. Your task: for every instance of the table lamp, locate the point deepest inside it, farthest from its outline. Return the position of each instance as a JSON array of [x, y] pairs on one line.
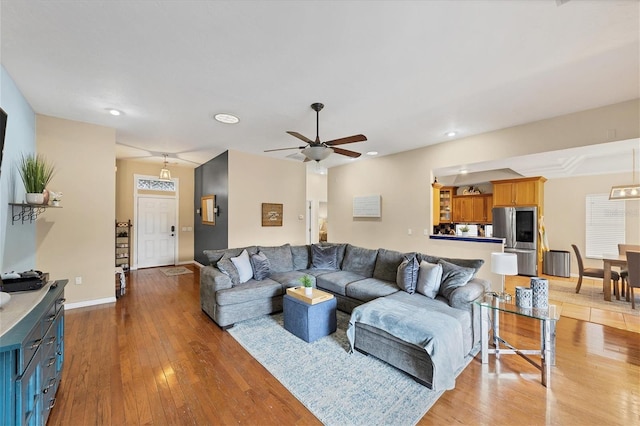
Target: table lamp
[[504, 264]]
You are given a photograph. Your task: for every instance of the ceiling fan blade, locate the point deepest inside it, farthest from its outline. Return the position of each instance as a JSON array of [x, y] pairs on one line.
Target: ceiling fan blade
[[299, 136], [348, 139], [306, 159], [346, 152], [283, 149]]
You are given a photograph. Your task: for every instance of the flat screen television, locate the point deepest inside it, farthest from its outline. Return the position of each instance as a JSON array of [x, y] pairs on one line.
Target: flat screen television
[[3, 128]]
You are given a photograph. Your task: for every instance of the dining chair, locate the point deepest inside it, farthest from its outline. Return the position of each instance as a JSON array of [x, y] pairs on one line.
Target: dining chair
[[633, 279], [622, 249], [593, 273]]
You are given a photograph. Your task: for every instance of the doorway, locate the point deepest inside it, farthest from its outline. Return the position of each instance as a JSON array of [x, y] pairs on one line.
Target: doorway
[[156, 231]]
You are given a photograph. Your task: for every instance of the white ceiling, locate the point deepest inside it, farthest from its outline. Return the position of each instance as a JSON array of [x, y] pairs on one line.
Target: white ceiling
[[401, 72]]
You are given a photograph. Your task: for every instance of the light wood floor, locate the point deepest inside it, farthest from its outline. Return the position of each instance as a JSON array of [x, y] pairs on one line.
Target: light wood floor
[[154, 358]]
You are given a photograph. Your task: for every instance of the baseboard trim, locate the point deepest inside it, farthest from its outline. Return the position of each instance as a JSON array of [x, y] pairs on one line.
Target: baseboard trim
[[86, 303], [187, 262]]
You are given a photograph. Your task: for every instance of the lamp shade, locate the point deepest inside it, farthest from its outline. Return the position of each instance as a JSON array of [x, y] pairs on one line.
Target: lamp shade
[[504, 263], [317, 153]]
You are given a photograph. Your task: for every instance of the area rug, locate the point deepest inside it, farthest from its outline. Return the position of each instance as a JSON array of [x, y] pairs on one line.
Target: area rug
[[590, 295], [178, 270], [337, 387]]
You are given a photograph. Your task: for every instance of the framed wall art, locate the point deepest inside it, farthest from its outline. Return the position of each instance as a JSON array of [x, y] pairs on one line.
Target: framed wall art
[[271, 214]]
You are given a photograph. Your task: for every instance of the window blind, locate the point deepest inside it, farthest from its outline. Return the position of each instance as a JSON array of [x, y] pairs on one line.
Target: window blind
[[604, 225]]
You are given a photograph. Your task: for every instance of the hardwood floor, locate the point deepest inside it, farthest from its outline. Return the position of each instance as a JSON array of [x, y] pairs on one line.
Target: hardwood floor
[[154, 358]]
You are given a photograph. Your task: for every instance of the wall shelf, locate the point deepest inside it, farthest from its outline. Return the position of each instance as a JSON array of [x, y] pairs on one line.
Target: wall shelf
[[28, 212]]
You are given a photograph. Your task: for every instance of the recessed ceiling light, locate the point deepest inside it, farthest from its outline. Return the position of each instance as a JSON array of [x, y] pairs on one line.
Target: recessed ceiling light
[[226, 118], [451, 134], [114, 111], [464, 171], [372, 153]]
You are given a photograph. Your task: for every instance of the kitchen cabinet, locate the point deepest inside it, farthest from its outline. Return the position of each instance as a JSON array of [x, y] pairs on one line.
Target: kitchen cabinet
[[518, 192], [442, 202], [472, 208]]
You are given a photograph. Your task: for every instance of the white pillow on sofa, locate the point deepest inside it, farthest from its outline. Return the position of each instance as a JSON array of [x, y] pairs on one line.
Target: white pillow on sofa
[[429, 276], [243, 265]]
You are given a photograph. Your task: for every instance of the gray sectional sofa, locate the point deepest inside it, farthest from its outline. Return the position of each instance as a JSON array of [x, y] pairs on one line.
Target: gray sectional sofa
[[412, 310]]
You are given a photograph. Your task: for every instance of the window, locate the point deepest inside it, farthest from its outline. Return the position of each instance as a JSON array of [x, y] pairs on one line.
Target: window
[[156, 185], [604, 225]]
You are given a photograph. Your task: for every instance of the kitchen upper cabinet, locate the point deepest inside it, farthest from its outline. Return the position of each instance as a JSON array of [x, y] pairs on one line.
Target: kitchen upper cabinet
[[518, 192], [442, 204], [472, 208]]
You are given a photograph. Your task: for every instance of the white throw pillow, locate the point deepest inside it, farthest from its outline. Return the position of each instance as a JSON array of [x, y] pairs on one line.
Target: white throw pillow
[[429, 276], [243, 265]]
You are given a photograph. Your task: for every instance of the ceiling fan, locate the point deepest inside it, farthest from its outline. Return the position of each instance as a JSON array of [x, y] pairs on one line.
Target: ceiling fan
[[316, 150]]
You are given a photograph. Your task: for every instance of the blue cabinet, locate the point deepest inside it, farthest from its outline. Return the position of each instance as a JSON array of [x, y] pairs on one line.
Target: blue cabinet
[[31, 360]]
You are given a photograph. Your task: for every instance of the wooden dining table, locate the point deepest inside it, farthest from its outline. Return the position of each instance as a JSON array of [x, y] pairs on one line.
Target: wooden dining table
[[609, 260]]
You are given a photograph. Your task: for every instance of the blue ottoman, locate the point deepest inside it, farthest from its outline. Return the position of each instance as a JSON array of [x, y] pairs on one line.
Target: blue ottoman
[[309, 322]]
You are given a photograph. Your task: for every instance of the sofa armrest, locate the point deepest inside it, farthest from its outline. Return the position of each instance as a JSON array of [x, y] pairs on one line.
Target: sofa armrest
[[462, 297], [214, 279]]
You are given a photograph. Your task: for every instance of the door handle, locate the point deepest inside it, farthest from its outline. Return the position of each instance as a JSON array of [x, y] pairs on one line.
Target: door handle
[[173, 230]]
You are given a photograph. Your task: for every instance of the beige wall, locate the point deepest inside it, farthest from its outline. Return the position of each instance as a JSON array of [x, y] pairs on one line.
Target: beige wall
[[316, 194], [254, 180], [125, 200], [78, 239], [565, 212], [404, 180]]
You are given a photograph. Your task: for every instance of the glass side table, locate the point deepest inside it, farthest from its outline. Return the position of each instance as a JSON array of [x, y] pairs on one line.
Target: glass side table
[[490, 308]]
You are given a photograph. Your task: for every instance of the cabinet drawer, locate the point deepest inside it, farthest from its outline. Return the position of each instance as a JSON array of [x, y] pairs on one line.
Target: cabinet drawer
[[30, 347]]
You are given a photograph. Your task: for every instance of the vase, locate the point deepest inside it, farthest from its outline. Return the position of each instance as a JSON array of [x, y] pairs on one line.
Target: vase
[[540, 288], [34, 198], [308, 291], [524, 296]]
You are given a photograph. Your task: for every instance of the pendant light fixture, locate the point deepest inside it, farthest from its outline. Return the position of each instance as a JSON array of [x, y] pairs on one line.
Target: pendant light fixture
[[165, 174], [627, 192]]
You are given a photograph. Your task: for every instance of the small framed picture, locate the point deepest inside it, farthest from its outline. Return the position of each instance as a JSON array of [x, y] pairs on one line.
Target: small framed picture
[[271, 214]]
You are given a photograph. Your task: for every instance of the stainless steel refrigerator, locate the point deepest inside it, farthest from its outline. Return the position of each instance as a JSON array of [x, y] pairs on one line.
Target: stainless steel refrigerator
[[519, 228]]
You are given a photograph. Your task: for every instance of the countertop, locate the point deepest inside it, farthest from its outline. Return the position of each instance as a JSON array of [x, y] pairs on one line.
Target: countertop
[[19, 306], [491, 240]]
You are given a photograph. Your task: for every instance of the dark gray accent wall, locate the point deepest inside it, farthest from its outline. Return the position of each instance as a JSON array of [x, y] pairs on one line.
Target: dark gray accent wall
[[212, 178]]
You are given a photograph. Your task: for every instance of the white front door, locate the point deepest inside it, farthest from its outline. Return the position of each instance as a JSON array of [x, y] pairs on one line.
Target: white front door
[[156, 231]]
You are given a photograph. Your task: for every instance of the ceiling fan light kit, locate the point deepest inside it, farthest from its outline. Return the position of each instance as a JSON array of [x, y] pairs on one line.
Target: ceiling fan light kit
[[315, 150]]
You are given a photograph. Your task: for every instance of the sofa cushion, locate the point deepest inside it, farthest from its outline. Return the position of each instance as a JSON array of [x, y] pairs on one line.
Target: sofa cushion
[[342, 247], [466, 263], [429, 278], [370, 288], [359, 260], [324, 257], [261, 266], [317, 272], [453, 276], [387, 263], [249, 291], [214, 255], [301, 257], [407, 274], [336, 282], [280, 257], [291, 278], [243, 265]]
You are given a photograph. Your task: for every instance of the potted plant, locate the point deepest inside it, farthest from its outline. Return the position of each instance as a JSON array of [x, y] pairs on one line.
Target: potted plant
[[36, 173], [465, 230], [307, 284]]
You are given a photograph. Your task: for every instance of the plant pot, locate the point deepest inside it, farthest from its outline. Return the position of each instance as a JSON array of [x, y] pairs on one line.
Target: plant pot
[[465, 234], [55, 203], [308, 291], [34, 198]]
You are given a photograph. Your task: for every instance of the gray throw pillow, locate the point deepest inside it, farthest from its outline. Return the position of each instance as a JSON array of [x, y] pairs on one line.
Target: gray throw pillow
[[407, 275], [301, 256], [261, 266], [226, 266], [429, 278], [324, 257], [453, 276], [466, 263]]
